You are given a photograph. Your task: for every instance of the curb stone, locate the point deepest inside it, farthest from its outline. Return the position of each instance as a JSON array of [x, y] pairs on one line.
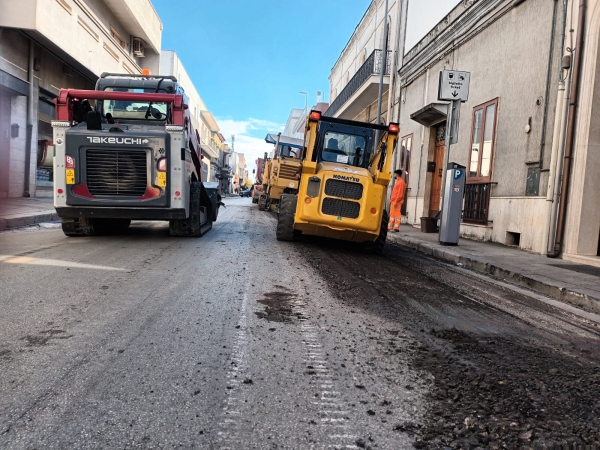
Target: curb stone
[[27, 220], [552, 290]]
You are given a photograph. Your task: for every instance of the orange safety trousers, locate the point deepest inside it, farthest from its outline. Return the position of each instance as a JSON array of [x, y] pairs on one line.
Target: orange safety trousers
[[395, 215]]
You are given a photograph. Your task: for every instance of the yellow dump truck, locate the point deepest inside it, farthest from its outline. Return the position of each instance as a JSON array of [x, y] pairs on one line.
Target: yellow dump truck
[[282, 172], [344, 177]]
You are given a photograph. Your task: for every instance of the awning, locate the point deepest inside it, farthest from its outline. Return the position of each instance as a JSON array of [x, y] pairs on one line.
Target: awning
[[284, 140], [431, 115]]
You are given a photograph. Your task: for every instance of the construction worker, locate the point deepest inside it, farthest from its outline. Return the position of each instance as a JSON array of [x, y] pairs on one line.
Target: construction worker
[[396, 201]]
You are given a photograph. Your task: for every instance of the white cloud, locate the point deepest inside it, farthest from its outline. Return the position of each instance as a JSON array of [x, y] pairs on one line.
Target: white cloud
[[249, 137]]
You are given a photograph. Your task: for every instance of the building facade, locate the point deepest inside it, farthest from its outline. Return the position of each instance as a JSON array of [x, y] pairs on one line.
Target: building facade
[[505, 127], [211, 140], [355, 76], [527, 134], [513, 130], [46, 45]]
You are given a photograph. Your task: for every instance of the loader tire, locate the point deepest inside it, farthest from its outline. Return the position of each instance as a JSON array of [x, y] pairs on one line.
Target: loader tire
[[378, 245], [79, 226], [190, 227], [262, 202], [285, 217]]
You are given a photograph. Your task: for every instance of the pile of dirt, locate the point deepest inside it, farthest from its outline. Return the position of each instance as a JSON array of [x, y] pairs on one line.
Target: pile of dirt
[[499, 393]]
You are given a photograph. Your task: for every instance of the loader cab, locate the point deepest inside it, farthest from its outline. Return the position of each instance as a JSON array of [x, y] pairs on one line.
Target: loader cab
[[286, 151], [125, 111], [343, 144]]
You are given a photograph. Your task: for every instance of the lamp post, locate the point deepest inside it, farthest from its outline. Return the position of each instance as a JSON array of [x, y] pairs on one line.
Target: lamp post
[[305, 98]]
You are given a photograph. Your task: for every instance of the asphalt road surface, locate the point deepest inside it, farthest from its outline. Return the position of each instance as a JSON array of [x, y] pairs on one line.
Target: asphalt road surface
[[235, 340]]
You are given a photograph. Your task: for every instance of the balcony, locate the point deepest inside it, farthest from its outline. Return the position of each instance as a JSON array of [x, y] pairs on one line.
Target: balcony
[[477, 203], [78, 31], [140, 19], [210, 149], [363, 87]]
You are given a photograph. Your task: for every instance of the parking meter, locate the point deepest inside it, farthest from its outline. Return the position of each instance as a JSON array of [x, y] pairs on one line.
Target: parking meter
[[452, 204]]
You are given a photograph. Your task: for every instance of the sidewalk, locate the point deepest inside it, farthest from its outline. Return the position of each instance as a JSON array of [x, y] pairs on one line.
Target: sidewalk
[[563, 280], [21, 211]]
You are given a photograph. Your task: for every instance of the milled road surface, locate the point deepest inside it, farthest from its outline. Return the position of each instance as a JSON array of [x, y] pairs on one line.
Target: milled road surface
[[235, 340]]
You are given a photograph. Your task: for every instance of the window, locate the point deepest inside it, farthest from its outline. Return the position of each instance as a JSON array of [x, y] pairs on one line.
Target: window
[[117, 37], [482, 141], [133, 110], [343, 148]]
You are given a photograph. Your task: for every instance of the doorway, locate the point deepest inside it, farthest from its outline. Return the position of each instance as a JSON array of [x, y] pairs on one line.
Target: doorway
[[6, 130], [436, 179]]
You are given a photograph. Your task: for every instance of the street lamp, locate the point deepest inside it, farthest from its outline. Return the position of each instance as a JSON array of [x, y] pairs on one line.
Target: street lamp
[[305, 98]]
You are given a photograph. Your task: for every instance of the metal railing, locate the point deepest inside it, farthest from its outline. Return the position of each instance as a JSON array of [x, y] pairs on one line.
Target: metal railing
[[477, 202], [372, 66]]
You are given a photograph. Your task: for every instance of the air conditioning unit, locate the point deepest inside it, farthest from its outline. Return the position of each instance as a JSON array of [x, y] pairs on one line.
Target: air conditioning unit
[[138, 47]]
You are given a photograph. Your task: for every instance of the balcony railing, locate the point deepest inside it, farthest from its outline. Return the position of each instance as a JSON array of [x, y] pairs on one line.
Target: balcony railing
[[477, 202], [372, 66]]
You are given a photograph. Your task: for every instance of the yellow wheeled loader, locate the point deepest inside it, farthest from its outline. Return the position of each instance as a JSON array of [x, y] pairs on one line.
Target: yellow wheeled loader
[[282, 172], [345, 172]]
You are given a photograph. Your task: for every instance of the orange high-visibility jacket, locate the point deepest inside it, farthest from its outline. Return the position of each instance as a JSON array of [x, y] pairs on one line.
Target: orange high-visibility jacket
[[399, 191]]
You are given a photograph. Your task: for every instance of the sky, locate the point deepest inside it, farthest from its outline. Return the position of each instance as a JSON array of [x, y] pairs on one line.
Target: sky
[[249, 59]]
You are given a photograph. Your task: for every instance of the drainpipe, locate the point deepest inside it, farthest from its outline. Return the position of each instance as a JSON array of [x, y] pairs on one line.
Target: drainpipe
[[393, 74], [382, 68], [569, 140], [560, 116], [29, 132], [422, 145], [391, 92], [551, 207], [548, 81]]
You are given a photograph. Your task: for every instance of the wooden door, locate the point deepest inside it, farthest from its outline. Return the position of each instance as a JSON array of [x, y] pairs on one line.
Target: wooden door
[[436, 179]]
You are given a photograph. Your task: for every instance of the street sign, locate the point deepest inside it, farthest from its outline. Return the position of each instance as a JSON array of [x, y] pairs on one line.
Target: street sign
[[454, 85]]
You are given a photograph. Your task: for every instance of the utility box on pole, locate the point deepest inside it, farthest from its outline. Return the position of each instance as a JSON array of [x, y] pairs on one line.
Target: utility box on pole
[[453, 201]]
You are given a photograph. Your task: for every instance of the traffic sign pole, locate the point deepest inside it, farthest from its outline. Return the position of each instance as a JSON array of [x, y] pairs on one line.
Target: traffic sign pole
[[453, 87], [451, 137]]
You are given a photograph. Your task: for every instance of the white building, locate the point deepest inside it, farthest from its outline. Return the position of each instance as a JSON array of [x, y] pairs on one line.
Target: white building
[[291, 128], [46, 45], [203, 120], [355, 76], [296, 121]]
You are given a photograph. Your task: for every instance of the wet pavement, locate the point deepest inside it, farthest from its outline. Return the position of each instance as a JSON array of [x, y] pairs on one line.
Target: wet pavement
[[235, 340]]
